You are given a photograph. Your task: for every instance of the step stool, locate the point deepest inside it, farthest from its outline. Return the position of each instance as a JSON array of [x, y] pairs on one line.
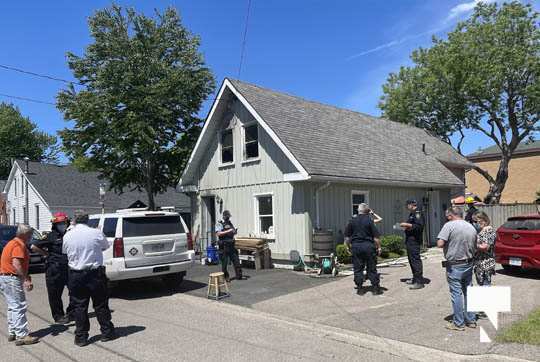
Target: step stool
[[217, 286]]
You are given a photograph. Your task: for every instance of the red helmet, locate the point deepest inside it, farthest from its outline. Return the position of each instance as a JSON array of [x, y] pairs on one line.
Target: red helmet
[[59, 217]]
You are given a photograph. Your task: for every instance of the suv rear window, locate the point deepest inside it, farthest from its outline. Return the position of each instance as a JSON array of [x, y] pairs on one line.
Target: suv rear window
[[109, 227], [522, 224], [7, 232], [93, 223], [152, 225]]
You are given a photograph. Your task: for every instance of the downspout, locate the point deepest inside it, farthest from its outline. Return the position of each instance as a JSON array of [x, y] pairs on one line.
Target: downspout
[[317, 211]]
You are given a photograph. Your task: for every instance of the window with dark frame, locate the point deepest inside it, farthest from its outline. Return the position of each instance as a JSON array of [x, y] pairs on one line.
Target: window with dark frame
[[251, 142], [37, 216], [357, 199], [227, 146], [265, 214]]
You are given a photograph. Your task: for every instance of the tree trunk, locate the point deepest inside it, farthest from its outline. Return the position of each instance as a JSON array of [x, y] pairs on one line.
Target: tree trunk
[[496, 187], [151, 201], [150, 185]]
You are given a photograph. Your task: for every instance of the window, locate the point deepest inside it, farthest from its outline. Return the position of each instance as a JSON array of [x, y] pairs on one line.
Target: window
[[227, 148], [37, 216], [109, 227], [25, 215], [16, 190], [522, 224], [14, 216], [265, 214], [251, 142], [357, 198], [22, 185], [93, 223], [154, 225]]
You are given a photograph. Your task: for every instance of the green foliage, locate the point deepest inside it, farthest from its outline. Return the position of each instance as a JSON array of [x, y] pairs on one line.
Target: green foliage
[[19, 138], [392, 244], [484, 77], [343, 254], [144, 83], [526, 331]]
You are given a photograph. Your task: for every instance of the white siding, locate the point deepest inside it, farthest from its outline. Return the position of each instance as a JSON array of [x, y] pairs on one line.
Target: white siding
[[17, 201]]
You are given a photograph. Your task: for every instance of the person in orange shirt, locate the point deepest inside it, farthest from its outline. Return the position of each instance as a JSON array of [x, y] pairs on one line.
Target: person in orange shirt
[[14, 280]]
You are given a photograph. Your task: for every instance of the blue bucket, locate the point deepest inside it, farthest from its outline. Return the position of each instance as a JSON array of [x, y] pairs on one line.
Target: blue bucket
[[211, 254]]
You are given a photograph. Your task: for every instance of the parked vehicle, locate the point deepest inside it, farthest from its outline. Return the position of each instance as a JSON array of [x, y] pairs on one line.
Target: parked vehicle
[[518, 243], [146, 244], [7, 232]]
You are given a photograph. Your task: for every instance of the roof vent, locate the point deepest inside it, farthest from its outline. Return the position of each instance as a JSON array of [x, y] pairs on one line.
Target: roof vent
[[26, 165]]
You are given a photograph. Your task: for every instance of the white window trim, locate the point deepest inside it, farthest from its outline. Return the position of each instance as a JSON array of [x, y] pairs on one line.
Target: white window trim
[[227, 164], [257, 216], [243, 131], [359, 192]]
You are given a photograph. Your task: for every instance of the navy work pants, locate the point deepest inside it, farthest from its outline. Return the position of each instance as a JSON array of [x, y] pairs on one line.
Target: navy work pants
[[56, 278], [415, 261], [83, 286], [364, 255]]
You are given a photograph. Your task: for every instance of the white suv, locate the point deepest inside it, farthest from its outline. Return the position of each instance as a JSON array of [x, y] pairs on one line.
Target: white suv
[[145, 244]]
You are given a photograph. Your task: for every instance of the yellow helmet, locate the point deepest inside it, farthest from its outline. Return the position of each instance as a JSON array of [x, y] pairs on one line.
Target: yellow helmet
[[469, 200]]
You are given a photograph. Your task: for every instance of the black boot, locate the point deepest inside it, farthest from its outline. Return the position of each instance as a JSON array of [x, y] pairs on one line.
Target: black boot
[[376, 290], [238, 273]]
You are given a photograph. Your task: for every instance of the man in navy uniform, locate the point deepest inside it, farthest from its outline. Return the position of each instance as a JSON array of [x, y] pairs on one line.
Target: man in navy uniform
[[225, 232], [414, 228], [363, 235], [56, 267]]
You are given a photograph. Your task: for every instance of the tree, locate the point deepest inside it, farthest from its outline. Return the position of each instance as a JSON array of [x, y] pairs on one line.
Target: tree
[[20, 137], [483, 77], [144, 82]]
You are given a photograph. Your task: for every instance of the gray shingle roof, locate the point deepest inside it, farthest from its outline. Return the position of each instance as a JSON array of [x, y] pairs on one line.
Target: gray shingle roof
[[331, 141], [65, 188], [495, 150]]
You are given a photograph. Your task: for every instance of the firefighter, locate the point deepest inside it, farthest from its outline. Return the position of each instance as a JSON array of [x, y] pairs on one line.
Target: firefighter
[[225, 232], [56, 267]]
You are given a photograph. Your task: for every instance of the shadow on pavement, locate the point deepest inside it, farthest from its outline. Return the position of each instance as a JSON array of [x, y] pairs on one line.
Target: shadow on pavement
[[146, 289], [120, 332], [520, 273], [52, 330]]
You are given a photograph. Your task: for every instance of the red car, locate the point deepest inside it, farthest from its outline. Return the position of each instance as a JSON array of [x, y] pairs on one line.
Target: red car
[[518, 243]]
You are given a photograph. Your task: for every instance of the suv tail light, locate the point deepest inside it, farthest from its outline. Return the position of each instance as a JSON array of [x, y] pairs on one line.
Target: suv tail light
[[118, 248], [189, 241]]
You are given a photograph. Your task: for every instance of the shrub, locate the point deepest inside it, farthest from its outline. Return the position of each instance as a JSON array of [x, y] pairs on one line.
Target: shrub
[[392, 244], [343, 254]]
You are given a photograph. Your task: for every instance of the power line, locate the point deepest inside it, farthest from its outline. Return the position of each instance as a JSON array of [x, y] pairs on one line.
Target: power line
[[244, 40], [7, 67], [27, 99]]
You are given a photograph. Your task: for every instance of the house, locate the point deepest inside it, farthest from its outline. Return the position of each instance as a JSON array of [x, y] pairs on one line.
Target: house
[[3, 203], [523, 173], [35, 191], [285, 166]]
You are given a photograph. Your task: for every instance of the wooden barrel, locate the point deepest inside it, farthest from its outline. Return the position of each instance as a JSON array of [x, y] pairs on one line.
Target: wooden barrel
[[323, 242]]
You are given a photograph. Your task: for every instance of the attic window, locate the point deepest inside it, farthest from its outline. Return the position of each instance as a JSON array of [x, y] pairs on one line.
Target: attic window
[[227, 148], [251, 141]]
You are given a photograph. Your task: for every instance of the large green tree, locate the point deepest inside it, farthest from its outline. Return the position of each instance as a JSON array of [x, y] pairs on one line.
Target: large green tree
[[20, 137], [144, 81], [484, 77]]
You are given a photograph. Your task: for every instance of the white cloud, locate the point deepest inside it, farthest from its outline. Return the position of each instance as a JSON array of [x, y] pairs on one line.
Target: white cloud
[[463, 8]]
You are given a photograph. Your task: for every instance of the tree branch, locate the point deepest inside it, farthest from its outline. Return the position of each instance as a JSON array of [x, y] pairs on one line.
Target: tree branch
[[484, 173]]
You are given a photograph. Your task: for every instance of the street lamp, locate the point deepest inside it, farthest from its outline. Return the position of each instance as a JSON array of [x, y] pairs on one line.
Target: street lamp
[[102, 197]]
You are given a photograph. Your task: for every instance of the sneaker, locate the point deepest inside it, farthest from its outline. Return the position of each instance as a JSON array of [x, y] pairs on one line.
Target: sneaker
[[409, 282], [26, 340], [11, 338], [81, 342], [63, 320], [453, 327], [377, 290], [361, 290], [416, 286], [471, 324]]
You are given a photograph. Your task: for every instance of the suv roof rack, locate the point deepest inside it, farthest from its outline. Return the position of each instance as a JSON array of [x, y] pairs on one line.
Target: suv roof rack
[[132, 210]]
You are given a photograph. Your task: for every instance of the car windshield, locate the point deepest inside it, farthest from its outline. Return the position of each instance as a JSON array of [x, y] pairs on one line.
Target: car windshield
[[152, 225], [522, 224]]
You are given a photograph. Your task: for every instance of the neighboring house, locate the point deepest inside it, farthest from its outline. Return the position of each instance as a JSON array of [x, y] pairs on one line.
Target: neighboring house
[[523, 173], [36, 190], [285, 166], [3, 203]]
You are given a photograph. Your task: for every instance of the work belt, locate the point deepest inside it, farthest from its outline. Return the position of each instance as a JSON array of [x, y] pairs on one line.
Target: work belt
[[459, 262]]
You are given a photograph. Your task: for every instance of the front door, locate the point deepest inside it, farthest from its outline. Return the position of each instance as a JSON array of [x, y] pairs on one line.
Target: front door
[[434, 217], [208, 220]]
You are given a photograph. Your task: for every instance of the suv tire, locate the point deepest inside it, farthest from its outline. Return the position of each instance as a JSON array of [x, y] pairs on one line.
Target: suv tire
[[173, 281], [511, 268]]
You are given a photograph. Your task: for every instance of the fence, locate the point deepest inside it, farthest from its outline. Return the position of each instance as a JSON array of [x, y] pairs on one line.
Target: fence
[[499, 213]]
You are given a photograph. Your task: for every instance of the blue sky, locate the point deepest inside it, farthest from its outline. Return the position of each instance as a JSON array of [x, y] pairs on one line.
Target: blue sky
[[338, 53]]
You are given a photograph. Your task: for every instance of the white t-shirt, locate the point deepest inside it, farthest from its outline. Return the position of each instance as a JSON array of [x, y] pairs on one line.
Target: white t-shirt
[[84, 247]]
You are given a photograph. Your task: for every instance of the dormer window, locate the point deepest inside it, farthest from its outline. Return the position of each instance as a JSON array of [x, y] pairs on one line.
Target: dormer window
[[251, 142], [227, 146]]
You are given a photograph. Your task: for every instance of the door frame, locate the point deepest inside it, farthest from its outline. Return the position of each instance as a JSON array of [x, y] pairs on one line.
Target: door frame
[[208, 220]]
